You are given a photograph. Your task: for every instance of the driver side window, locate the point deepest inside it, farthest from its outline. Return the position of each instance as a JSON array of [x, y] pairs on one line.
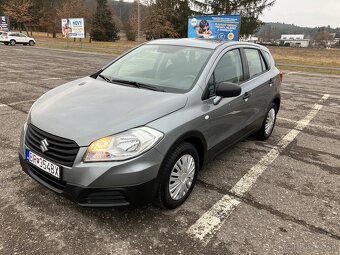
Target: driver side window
[[229, 69]]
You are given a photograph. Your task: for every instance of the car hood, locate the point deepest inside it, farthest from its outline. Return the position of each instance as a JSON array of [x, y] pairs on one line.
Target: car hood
[[87, 109]]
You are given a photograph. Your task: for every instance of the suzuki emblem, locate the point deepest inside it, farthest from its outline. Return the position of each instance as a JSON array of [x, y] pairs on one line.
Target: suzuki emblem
[[43, 145]]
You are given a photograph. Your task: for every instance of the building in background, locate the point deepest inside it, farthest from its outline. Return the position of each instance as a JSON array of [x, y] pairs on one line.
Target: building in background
[[298, 41]]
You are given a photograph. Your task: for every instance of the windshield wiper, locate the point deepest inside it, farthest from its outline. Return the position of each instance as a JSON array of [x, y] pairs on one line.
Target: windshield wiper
[[107, 79], [138, 85]]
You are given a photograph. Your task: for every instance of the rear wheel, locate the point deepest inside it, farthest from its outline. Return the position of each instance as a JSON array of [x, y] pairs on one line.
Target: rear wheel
[[268, 123], [179, 173], [31, 43], [12, 42]]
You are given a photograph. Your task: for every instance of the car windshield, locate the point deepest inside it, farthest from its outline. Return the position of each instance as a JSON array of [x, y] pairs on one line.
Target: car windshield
[[164, 67]]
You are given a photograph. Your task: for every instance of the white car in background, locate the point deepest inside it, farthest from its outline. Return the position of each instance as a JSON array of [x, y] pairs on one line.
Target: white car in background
[[13, 38]]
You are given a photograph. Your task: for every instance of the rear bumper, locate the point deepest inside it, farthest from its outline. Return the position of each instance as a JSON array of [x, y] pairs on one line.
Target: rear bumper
[[94, 196]]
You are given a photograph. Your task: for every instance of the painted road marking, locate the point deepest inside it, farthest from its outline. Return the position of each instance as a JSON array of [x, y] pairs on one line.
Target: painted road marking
[[48, 79], [62, 78], [290, 73], [211, 221], [21, 102], [16, 103], [321, 127], [8, 82]]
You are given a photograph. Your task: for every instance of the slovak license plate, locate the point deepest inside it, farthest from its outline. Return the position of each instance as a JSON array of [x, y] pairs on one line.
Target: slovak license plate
[[43, 164]]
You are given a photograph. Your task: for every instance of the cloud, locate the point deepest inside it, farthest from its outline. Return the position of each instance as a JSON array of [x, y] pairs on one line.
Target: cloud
[[310, 13]]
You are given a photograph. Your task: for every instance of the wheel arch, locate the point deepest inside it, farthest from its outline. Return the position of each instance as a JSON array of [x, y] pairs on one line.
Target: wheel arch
[[277, 102], [195, 138]]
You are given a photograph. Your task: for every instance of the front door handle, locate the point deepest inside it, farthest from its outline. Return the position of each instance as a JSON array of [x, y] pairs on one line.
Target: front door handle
[[246, 96]]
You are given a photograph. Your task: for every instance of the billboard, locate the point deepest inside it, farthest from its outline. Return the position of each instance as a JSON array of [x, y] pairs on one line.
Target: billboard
[[223, 27], [4, 23], [73, 28]]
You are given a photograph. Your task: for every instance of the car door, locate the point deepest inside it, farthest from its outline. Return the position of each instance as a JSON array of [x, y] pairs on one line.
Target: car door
[[16, 37], [228, 117], [23, 38], [257, 87]]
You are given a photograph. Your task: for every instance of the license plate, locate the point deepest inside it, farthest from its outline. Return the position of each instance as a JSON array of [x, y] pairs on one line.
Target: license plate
[[43, 164]]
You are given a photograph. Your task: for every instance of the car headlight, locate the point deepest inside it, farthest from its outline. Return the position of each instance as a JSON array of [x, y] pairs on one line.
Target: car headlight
[[123, 146]]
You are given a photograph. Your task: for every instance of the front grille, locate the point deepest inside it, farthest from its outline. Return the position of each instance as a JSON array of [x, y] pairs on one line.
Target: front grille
[[41, 176], [60, 150], [112, 197]]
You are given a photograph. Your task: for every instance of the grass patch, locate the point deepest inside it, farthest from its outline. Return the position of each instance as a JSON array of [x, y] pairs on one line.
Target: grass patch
[[114, 48], [309, 70], [302, 56]]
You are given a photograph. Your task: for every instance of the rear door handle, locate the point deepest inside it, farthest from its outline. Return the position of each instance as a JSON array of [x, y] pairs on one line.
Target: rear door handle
[[246, 96], [271, 82]]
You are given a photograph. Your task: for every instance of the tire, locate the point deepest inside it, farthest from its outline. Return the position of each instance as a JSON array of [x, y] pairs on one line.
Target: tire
[[268, 123], [5, 43], [31, 43], [12, 42], [184, 157]]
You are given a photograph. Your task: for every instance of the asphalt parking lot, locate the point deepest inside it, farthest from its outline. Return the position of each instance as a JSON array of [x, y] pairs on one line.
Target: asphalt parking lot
[[281, 196]]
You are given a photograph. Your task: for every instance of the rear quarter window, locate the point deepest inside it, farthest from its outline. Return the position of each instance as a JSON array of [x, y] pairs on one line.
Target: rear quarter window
[[268, 58]]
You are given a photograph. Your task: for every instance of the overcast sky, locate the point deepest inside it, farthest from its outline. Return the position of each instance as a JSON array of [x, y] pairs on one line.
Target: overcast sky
[[310, 13]]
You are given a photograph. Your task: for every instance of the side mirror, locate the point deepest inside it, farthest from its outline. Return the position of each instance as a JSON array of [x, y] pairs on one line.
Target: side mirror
[[228, 89]]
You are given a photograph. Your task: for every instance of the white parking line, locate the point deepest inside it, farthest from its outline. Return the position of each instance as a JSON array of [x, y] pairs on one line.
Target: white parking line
[[61, 78], [14, 71], [211, 221], [8, 82], [21, 102], [16, 103], [48, 79], [321, 127], [290, 73]]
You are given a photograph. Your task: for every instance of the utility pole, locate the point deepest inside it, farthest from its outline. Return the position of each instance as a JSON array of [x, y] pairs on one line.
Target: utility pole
[[138, 18]]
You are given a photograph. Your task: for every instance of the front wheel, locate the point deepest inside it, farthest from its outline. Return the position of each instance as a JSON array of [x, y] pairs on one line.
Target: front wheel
[[268, 123], [12, 42], [179, 173], [31, 43]]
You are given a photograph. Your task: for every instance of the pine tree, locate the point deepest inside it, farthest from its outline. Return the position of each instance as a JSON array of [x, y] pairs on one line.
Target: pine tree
[[104, 29]]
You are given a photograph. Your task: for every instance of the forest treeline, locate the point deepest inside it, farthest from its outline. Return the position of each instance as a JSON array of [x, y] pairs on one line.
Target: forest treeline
[[104, 18]]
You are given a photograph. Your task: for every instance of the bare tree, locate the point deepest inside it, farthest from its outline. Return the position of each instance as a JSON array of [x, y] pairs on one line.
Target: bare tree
[[19, 10]]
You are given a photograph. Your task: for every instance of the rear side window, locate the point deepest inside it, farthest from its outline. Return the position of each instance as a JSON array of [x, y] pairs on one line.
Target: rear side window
[[255, 62]]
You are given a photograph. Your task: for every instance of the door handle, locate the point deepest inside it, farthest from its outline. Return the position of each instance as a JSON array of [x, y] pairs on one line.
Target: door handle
[[271, 82], [246, 96]]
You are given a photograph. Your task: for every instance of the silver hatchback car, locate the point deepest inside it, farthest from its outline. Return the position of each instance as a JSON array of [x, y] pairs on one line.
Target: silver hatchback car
[[140, 129]]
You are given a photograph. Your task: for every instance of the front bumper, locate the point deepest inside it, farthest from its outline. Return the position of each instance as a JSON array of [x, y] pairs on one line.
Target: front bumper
[[95, 196]]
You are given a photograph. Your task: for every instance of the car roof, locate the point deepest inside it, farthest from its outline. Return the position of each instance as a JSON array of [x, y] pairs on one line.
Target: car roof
[[201, 43]]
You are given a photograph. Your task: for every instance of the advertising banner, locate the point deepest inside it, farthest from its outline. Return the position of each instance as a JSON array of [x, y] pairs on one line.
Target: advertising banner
[[4, 23], [73, 28], [223, 27]]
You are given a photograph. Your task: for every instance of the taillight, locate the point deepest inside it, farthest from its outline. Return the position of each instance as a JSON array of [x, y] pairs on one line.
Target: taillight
[[281, 76]]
